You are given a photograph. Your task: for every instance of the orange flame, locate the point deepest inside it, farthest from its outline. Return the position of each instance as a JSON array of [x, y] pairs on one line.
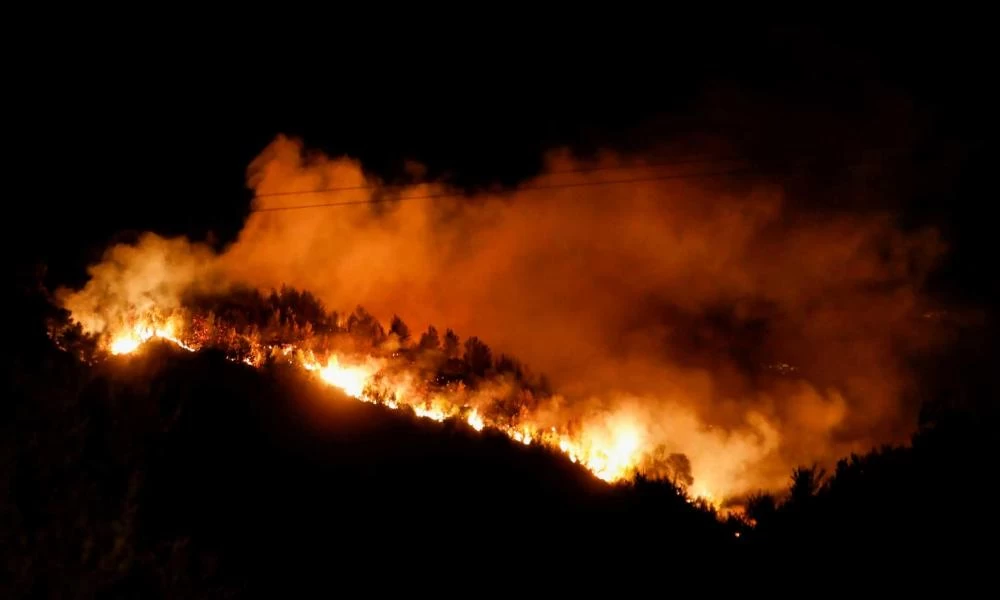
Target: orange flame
[[352, 379], [130, 340], [612, 452]]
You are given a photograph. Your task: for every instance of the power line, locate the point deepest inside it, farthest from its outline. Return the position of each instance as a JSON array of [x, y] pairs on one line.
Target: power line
[[551, 186], [652, 165], [540, 186]]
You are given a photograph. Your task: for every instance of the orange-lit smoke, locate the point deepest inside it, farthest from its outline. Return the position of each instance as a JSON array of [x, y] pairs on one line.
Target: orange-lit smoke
[[690, 315]]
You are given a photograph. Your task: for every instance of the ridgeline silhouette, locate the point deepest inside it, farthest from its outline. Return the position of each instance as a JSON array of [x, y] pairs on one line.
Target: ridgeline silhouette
[[180, 474]]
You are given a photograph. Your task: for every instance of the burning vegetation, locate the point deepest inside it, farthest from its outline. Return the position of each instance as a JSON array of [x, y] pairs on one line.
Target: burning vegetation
[[433, 375]]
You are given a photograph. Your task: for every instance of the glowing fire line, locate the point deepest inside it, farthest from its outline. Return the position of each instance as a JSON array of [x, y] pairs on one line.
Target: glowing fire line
[[611, 461], [129, 342]]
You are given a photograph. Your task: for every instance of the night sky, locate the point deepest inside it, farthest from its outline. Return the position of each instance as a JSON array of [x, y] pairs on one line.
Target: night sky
[[128, 135]]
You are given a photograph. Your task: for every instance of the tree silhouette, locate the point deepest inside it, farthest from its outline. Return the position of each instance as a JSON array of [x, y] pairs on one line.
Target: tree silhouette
[[429, 340], [508, 364], [451, 344], [477, 356], [399, 329], [761, 507], [806, 482], [363, 326], [679, 467]]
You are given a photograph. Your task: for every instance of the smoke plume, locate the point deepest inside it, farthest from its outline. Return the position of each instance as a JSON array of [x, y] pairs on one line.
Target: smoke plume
[[748, 336]]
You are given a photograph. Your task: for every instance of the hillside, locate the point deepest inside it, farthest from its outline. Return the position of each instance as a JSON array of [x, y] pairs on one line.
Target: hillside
[[176, 473], [171, 469]]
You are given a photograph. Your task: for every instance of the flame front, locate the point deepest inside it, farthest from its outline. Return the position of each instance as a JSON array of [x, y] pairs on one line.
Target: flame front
[[350, 379], [130, 339], [126, 344], [612, 452], [475, 420]]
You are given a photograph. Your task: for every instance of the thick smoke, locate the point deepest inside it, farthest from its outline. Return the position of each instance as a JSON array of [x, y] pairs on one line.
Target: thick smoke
[[746, 335], [152, 274]]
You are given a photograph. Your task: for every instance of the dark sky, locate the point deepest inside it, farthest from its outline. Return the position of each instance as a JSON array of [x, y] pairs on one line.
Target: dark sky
[[113, 135]]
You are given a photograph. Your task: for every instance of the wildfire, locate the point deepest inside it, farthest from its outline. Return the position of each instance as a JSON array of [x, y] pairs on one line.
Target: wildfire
[[131, 339], [352, 379], [475, 420], [819, 312], [612, 451], [619, 458], [433, 413], [610, 457], [125, 344]]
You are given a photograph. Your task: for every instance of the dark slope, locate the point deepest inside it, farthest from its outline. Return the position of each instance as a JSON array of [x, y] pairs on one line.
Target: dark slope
[[171, 474], [174, 469]]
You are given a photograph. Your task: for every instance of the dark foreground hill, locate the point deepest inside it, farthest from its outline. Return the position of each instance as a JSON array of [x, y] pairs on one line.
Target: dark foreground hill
[[171, 474], [175, 469]]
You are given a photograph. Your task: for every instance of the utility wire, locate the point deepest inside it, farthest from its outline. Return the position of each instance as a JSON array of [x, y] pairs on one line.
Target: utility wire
[[636, 167], [524, 188], [550, 186]]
